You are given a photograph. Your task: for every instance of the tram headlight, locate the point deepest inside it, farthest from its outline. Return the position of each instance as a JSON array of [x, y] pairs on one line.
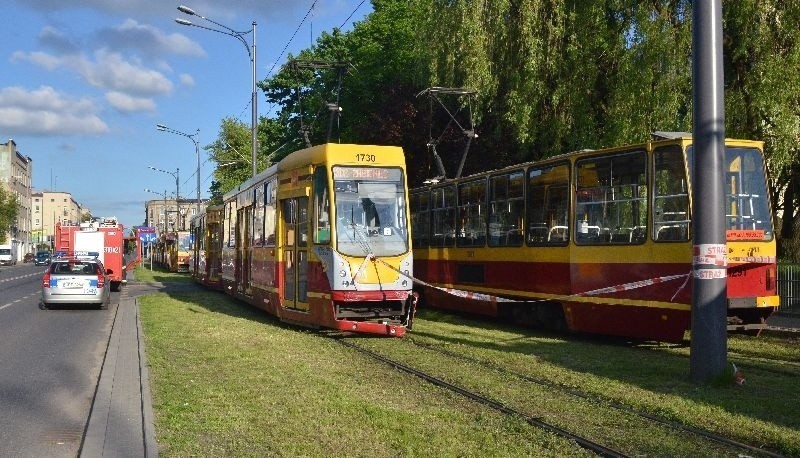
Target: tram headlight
[[342, 273]]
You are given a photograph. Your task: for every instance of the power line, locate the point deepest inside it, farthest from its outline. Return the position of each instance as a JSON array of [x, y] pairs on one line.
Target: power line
[[351, 14], [310, 9]]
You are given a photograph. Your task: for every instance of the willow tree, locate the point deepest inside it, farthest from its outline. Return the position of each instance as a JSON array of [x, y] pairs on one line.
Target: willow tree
[[762, 75]]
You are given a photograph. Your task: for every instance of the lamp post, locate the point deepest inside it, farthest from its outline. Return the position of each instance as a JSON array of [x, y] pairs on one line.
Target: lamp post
[[177, 175], [250, 52], [193, 138]]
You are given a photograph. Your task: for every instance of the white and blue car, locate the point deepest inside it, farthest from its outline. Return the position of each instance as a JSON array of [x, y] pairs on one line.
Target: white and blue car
[[76, 278]]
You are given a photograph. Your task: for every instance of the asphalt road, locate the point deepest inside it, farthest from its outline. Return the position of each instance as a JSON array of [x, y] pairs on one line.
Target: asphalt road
[[50, 363]]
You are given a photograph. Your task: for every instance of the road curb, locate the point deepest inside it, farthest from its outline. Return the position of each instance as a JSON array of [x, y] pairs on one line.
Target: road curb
[[121, 418], [148, 420]]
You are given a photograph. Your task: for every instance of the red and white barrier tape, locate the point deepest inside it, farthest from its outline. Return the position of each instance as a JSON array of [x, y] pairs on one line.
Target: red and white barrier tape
[[701, 274], [492, 298]]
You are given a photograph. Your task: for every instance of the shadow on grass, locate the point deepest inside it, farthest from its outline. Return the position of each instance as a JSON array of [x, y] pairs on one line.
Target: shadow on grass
[[181, 286]]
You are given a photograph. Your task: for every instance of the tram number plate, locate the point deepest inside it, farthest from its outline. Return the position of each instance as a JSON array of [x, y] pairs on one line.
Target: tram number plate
[[366, 158]]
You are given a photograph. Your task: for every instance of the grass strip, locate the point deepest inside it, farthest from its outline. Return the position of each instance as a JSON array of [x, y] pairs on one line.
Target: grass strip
[[228, 380]]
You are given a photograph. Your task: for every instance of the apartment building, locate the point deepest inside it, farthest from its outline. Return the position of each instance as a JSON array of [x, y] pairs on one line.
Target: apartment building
[[16, 171]]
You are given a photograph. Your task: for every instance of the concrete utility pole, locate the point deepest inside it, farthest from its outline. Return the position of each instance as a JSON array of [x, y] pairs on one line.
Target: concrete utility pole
[[709, 283]]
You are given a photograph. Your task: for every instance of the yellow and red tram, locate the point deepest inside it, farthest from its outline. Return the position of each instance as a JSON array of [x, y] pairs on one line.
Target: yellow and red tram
[[205, 260], [596, 241], [319, 239]]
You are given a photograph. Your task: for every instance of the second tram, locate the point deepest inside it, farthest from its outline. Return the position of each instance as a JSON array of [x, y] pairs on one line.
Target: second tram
[[594, 241]]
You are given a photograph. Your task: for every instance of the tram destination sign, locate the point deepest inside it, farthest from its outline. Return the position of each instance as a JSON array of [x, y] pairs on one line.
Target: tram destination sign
[[367, 173]]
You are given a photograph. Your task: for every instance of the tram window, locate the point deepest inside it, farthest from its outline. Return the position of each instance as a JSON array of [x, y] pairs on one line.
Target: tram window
[[506, 209], [548, 205], [258, 217], [471, 214], [370, 211], [322, 224], [231, 222], [295, 220], [302, 221], [671, 221], [420, 218], [443, 208], [611, 199], [270, 199], [747, 209]]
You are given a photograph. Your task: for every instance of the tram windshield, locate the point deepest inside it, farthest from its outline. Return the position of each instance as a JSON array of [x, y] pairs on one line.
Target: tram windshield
[[184, 242], [747, 210], [370, 211]]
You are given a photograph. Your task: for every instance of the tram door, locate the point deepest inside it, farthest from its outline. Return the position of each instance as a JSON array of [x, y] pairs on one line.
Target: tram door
[[295, 252], [243, 247]]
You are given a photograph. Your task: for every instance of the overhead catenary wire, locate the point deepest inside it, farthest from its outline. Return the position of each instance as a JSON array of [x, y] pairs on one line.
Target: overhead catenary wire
[[351, 14], [310, 10], [308, 13]]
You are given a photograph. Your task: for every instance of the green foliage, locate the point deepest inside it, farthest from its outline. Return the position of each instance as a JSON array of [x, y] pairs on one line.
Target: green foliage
[[550, 77], [232, 153], [9, 209]]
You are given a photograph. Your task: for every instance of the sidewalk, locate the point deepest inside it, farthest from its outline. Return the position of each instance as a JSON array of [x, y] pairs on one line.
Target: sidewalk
[[121, 420]]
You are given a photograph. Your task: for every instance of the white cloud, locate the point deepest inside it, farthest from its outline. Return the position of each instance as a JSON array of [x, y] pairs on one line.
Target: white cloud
[[45, 111], [128, 104], [150, 40], [186, 79], [42, 59], [108, 71], [111, 71]]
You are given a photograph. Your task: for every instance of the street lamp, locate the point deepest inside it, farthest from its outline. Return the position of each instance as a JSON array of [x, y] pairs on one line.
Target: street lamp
[[194, 140], [177, 175], [252, 53]]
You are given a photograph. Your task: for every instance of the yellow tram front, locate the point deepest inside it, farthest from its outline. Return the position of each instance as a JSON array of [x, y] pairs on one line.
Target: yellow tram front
[[321, 239]]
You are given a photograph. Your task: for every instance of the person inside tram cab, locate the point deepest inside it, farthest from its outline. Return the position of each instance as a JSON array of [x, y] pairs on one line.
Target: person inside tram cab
[[370, 215]]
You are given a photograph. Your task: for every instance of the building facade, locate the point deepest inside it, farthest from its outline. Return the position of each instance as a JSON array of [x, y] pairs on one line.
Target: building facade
[[49, 208], [177, 214], [16, 171]]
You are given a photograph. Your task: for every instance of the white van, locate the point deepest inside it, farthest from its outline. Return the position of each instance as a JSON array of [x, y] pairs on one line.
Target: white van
[[8, 254]]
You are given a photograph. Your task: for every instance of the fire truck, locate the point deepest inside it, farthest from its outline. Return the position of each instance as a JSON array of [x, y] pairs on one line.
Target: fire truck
[[103, 235]]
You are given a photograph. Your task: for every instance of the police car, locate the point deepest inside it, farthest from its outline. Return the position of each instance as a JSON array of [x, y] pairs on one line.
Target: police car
[[76, 278]]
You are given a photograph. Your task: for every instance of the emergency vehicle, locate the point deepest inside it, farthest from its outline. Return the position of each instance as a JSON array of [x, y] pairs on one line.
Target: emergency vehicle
[[103, 235]]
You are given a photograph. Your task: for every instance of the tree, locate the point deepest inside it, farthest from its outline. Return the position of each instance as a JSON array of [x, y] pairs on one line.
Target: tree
[[9, 210], [550, 77], [762, 74], [231, 152]]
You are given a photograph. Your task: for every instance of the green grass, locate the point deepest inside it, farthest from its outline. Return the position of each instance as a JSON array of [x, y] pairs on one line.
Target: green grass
[[144, 273], [229, 380]]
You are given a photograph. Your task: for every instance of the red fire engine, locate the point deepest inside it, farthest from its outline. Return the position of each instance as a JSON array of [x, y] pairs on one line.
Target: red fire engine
[[105, 236]]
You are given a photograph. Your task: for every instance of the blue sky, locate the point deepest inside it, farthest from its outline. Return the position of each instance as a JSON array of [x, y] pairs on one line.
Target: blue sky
[[83, 84]]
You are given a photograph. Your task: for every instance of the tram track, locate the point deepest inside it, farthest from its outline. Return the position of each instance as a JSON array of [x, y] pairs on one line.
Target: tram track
[[709, 435], [558, 422], [583, 442]]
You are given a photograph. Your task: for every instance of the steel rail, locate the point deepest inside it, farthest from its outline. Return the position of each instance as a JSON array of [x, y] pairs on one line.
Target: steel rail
[[580, 441], [613, 404]]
